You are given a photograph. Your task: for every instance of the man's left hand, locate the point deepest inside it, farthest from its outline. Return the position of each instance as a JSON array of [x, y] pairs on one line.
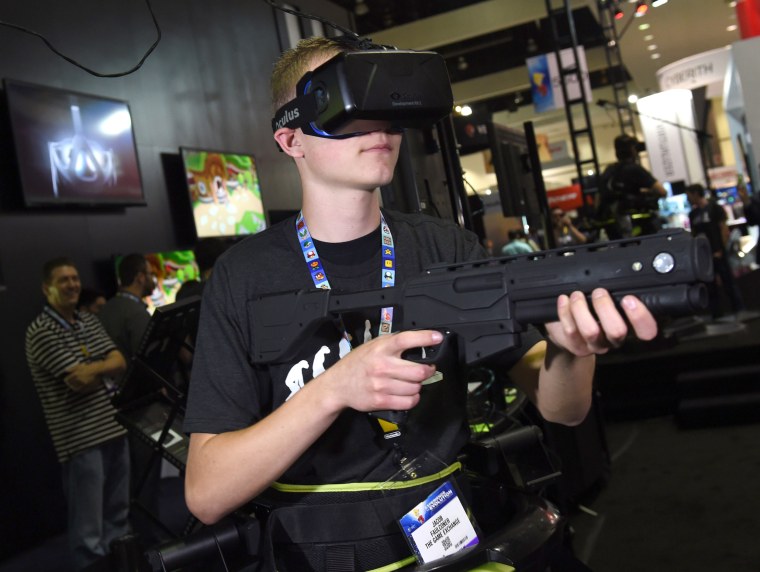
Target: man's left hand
[[582, 334]]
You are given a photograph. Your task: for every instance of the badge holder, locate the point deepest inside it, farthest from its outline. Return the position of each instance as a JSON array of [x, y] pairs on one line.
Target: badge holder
[[440, 524]]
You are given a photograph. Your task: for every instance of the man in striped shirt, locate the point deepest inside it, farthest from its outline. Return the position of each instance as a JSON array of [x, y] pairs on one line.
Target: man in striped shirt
[[70, 357]]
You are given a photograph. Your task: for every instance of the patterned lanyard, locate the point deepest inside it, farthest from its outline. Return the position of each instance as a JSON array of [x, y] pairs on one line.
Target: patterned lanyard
[[75, 329], [318, 275]]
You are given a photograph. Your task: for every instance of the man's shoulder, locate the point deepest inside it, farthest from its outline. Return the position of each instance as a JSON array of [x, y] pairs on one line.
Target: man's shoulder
[[265, 244], [422, 224], [39, 322]]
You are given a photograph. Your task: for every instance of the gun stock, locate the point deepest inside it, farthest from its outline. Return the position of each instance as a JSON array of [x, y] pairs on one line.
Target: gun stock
[[488, 303]]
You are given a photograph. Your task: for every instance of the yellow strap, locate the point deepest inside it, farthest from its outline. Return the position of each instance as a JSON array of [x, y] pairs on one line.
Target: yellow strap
[[396, 565], [487, 567], [359, 487]]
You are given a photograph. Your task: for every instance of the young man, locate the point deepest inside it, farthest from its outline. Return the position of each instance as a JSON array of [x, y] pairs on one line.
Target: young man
[[299, 430], [628, 189], [69, 355], [707, 218]]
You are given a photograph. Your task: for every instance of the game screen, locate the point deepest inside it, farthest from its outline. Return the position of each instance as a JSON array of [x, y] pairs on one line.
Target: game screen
[[171, 269], [224, 193], [73, 148]]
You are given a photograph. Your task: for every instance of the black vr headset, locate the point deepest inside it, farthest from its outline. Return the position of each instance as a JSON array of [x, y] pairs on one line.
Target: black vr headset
[[348, 94]]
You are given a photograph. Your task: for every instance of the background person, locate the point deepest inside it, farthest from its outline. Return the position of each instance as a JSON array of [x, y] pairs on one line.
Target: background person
[[565, 232], [707, 218], [629, 193], [69, 356], [91, 301], [518, 243], [125, 316], [303, 424]]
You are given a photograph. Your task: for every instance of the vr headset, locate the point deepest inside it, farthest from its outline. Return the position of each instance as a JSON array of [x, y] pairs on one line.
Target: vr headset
[[350, 93]]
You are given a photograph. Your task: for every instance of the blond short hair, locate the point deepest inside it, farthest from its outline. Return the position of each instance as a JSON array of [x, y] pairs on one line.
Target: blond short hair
[[295, 62]]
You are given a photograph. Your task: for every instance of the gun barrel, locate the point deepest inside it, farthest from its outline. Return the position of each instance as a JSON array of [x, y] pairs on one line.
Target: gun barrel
[[674, 301]]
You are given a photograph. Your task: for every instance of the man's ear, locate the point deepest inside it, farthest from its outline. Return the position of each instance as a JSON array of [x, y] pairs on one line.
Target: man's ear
[[50, 292], [289, 141]]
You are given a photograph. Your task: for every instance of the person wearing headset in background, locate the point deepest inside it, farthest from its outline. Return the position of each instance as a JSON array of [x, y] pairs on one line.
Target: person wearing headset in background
[[286, 433], [629, 193]]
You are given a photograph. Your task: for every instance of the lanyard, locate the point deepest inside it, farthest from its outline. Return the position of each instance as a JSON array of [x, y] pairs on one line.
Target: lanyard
[[390, 430], [318, 275], [130, 296], [75, 328]]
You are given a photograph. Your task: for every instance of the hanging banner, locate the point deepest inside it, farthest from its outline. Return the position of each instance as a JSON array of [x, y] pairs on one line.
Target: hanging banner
[[667, 119], [705, 69], [545, 81]]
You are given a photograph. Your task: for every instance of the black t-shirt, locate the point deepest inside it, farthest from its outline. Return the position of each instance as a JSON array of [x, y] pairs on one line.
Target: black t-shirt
[[622, 183], [706, 221], [228, 392]]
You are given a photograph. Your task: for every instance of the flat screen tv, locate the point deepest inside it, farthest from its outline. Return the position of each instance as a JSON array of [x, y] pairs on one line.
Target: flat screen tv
[[73, 148], [224, 193], [171, 269]]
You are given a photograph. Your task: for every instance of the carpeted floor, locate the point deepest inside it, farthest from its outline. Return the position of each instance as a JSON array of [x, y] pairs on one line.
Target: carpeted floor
[[677, 500]]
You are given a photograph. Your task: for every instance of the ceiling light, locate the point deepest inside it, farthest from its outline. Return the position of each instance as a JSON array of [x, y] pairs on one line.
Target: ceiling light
[[633, 98], [648, 38], [641, 9], [643, 27], [658, 3], [361, 8], [466, 110], [655, 56], [651, 47], [618, 13], [732, 27]]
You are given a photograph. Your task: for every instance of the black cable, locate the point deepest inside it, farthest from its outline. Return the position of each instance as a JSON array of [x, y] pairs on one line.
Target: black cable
[[298, 13], [350, 36], [76, 63]]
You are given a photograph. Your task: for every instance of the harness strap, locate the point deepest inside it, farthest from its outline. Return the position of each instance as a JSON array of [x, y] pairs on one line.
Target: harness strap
[[341, 536]]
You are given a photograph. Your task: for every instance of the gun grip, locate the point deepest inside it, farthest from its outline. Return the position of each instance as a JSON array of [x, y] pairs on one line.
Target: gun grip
[[429, 354]]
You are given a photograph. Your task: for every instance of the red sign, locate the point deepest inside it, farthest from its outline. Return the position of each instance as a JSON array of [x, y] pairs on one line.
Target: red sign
[[566, 198]]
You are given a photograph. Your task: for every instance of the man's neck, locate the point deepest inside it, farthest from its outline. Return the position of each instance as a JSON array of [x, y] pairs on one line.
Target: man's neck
[[350, 217], [66, 312], [134, 289]]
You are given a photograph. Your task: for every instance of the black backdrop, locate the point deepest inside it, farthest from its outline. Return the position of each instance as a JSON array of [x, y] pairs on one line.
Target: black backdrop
[[206, 85]]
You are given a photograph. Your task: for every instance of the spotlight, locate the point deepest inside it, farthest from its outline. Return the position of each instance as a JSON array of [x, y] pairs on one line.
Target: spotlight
[[618, 13], [641, 9]]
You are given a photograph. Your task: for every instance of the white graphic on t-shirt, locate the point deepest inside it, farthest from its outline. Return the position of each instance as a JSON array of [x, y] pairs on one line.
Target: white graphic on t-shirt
[[294, 381], [318, 365]]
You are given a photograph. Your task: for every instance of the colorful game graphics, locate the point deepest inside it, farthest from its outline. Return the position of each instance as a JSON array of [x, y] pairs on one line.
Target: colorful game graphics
[[224, 193]]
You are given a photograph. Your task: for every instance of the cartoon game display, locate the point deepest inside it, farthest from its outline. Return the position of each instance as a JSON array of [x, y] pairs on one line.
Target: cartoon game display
[[225, 194]]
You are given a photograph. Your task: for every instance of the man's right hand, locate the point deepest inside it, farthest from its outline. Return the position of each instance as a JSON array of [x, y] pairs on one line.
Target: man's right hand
[[375, 377], [82, 377]]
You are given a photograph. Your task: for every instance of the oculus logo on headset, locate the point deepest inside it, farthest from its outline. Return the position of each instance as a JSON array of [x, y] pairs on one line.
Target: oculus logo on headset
[[287, 116]]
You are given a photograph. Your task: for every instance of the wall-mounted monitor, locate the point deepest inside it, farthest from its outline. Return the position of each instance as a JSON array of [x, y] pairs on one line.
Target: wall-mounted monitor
[[511, 163], [171, 269], [224, 192], [73, 148]]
